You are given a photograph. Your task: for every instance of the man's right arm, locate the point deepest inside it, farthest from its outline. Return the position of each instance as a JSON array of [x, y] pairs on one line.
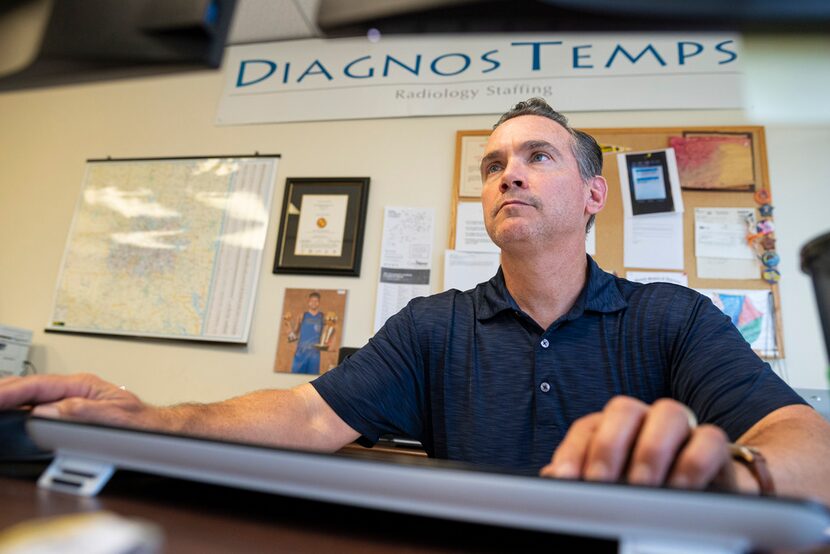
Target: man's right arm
[[295, 418]]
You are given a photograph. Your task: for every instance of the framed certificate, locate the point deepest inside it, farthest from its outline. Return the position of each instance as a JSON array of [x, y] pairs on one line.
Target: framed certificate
[[469, 149], [321, 226]]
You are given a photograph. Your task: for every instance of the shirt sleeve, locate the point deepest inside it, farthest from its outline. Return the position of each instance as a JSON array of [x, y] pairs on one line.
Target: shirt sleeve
[[378, 390], [716, 373]]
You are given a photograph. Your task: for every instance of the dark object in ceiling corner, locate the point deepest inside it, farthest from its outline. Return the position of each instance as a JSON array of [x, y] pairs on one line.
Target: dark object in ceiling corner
[[489, 16], [91, 40]]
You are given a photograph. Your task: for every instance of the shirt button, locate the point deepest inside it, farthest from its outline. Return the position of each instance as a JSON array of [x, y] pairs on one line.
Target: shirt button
[[545, 343], [545, 386]]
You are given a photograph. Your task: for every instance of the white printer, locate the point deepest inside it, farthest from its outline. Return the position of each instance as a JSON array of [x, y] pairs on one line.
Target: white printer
[[14, 350]]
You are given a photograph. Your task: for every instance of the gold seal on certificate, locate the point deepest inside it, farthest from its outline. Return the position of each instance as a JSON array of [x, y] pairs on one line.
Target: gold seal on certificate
[[321, 226]]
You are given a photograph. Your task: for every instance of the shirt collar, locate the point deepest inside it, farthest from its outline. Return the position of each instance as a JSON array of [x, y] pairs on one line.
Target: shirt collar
[[600, 294]]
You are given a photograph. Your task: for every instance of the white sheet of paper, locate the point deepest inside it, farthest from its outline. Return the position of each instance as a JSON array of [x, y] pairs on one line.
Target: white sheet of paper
[[674, 183], [727, 268], [721, 233], [658, 277], [405, 260], [591, 241], [464, 270], [407, 238], [654, 242], [321, 226], [751, 312], [470, 233]]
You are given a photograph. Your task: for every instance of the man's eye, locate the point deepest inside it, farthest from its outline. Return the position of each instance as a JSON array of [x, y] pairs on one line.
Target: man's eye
[[539, 157], [492, 168]]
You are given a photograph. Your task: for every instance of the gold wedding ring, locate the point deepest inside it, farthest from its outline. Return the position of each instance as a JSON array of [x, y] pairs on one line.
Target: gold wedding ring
[[691, 419]]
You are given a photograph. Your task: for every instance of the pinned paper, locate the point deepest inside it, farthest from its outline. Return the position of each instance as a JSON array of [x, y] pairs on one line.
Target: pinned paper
[[646, 277], [464, 270], [720, 244], [751, 311], [654, 242]]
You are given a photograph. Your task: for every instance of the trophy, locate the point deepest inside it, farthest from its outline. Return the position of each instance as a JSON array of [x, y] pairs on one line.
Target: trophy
[[286, 321], [328, 331]]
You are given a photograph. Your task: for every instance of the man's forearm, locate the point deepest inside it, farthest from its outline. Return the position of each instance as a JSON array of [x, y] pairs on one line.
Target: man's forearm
[[292, 418]]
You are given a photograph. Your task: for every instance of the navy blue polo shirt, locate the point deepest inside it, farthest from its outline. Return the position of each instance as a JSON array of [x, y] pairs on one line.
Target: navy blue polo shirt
[[476, 379]]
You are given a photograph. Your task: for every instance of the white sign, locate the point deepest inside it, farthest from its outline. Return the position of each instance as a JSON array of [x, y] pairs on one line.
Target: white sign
[[325, 79]]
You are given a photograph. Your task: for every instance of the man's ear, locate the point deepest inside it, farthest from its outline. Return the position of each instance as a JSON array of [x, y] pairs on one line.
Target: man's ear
[[596, 194]]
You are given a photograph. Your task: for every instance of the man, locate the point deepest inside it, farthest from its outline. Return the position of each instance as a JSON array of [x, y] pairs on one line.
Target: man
[[307, 332], [553, 365]]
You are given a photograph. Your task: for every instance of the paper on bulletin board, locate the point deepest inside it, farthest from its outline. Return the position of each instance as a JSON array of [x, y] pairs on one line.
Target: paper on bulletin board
[[727, 268], [721, 233], [464, 270], [720, 244], [646, 277], [654, 242], [751, 311], [406, 259]]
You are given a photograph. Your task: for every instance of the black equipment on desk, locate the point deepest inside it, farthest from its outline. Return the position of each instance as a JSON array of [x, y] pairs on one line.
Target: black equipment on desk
[[815, 261], [15, 443]]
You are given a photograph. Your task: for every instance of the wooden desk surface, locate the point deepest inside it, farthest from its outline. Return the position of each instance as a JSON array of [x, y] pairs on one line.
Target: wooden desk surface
[[196, 517]]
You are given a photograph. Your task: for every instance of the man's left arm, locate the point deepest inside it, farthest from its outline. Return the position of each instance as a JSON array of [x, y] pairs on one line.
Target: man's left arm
[[795, 442], [660, 444]]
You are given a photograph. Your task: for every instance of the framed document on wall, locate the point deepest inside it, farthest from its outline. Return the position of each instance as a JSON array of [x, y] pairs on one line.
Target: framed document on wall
[[321, 226]]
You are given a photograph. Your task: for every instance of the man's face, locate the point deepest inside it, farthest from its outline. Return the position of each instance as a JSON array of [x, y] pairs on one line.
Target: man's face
[[532, 189], [313, 303]]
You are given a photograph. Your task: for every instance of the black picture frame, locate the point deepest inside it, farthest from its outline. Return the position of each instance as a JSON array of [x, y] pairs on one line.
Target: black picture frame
[[356, 190]]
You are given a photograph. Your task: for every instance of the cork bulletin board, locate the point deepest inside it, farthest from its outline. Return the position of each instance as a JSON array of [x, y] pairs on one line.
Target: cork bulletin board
[[747, 176]]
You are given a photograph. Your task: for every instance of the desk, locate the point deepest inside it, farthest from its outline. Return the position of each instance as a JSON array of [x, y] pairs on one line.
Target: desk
[[197, 517]]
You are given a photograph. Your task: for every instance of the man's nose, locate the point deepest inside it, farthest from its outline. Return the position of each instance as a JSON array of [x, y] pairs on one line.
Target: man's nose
[[513, 176]]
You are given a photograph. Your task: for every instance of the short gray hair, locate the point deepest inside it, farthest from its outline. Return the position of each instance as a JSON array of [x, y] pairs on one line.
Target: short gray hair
[[584, 147]]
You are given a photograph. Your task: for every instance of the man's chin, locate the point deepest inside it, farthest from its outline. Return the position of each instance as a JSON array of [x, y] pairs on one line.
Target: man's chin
[[513, 236]]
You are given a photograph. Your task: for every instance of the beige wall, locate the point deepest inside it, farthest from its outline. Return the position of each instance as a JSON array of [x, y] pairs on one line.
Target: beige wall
[[46, 135]]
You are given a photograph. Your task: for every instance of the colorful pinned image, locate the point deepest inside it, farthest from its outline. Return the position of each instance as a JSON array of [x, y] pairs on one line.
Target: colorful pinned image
[[715, 161], [751, 313]]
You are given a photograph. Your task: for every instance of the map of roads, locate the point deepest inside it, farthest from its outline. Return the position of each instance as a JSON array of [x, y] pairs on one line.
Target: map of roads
[[166, 248]]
